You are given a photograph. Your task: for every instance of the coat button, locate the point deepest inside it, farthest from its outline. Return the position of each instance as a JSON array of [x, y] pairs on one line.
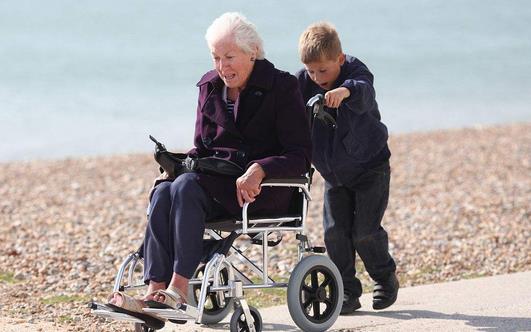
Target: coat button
[[258, 93]]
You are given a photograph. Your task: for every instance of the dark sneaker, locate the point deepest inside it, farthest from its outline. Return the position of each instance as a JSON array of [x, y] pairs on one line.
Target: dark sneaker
[[385, 293], [351, 303]]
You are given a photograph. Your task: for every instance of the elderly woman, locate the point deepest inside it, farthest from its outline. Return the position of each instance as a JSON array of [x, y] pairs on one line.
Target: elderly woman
[[248, 112]]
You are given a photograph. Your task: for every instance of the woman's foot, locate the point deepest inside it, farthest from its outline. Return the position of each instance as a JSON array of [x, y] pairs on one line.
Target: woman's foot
[[153, 287], [171, 298], [174, 295], [124, 301]]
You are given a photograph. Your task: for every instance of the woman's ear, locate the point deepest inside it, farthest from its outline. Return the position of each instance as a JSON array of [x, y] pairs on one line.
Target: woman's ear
[[253, 54]]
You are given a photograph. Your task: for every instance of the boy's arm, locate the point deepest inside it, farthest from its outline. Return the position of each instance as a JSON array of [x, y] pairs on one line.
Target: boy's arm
[[362, 95]]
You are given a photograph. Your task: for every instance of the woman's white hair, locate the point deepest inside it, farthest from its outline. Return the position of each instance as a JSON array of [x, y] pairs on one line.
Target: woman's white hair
[[240, 28]]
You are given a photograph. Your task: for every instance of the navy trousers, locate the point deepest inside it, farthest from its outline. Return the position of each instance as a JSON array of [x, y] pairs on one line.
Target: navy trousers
[[174, 235], [352, 223]]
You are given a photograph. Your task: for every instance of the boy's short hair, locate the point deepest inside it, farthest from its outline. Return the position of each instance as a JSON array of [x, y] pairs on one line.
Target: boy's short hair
[[319, 41]]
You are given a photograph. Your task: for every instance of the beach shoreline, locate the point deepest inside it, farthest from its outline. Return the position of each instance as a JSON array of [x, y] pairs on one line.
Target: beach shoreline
[[459, 208]]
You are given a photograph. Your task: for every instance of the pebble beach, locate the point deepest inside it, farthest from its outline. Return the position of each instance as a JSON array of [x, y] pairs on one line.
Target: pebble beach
[[460, 207]]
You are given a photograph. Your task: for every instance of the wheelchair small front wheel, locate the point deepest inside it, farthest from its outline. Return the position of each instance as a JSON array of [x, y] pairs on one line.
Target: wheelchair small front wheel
[[315, 293], [215, 308], [139, 327], [238, 323]]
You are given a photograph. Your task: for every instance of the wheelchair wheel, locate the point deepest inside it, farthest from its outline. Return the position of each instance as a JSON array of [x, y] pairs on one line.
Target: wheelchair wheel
[[215, 310], [315, 293], [239, 324], [139, 327]]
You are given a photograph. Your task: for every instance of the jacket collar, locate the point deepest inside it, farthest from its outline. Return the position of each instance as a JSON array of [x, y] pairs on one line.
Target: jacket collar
[[346, 70], [261, 76]]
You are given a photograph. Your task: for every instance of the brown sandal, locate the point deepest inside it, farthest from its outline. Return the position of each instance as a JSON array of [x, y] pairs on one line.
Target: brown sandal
[[173, 298], [133, 307], [129, 303]]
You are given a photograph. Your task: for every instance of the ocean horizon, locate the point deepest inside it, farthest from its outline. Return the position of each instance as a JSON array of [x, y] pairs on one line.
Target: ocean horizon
[[96, 78]]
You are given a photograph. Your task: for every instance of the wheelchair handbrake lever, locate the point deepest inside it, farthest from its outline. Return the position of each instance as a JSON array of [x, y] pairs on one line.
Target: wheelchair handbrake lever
[[316, 103], [326, 118], [160, 146]]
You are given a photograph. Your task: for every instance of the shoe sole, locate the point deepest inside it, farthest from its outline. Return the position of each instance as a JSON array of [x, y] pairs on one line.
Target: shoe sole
[[385, 304], [350, 311]]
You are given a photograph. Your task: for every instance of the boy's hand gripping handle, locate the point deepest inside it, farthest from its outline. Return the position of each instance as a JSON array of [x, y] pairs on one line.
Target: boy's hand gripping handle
[[316, 104]]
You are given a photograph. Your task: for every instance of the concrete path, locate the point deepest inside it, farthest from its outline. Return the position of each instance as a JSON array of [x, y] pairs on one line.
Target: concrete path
[[499, 303]]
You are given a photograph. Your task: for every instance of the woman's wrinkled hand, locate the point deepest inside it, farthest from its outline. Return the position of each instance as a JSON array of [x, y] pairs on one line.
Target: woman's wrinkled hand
[[248, 185], [162, 176]]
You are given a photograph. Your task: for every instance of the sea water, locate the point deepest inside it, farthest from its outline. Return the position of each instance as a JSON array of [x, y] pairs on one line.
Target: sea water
[[97, 77]]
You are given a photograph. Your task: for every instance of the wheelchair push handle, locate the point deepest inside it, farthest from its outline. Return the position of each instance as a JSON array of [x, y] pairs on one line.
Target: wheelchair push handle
[[316, 105]]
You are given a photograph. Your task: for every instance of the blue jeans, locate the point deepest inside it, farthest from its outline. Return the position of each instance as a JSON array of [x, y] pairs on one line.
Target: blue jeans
[[352, 223]]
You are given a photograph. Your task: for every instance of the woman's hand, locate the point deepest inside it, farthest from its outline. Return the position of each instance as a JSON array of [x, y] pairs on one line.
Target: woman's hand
[[248, 185], [162, 176]]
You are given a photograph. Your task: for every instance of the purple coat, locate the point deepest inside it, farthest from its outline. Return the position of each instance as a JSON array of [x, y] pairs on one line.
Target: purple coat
[[269, 127]]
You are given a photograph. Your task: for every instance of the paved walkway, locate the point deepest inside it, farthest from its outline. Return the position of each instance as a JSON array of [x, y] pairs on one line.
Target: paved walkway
[[494, 304], [499, 303]]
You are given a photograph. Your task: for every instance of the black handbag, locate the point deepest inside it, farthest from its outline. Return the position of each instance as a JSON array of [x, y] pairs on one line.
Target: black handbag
[[175, 164]]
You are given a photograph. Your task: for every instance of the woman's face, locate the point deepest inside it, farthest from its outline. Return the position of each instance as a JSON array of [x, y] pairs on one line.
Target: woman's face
[[233, 65]]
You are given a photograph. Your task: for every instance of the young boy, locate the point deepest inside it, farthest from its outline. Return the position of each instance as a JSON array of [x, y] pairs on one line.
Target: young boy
[[353, 158]]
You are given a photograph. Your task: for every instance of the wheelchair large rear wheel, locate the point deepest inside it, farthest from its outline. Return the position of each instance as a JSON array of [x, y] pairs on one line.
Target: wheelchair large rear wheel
[[315, 293], [215, 308]]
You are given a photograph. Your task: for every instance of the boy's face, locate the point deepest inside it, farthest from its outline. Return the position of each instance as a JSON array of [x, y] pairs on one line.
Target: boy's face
[[325, 72]]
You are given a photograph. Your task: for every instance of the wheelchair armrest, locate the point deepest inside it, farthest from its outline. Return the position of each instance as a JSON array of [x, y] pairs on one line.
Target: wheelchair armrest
[[301, 182], [296, 180]]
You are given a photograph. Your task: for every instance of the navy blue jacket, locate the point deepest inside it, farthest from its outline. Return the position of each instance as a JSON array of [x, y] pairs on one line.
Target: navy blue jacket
[[359, 141]]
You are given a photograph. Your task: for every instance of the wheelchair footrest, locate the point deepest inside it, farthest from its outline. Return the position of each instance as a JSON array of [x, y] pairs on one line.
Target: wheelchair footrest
[[185, 312], [102, 310]]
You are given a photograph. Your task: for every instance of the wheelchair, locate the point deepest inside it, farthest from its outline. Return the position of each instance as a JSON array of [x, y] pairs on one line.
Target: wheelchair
[[314, 290]]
